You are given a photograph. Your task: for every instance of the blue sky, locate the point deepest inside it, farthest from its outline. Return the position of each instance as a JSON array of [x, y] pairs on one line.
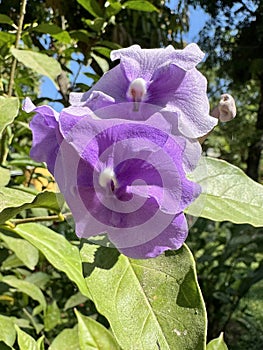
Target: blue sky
[[197, 21]]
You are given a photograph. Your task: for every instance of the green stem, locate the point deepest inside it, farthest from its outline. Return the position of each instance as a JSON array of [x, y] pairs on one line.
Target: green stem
[[59, 217], [18, 37]]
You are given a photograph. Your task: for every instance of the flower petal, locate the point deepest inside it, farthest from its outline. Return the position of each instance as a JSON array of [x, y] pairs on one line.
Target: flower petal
[[172, 237], [46, 136]]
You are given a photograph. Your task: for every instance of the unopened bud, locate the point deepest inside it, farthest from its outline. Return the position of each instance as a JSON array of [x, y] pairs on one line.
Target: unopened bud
[[226, 109]]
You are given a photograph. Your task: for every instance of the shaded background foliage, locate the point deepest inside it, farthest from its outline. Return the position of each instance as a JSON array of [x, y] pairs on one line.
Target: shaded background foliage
[[229, 257]]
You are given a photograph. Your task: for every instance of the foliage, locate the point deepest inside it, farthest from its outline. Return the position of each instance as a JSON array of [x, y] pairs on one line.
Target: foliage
[[57, 290], [233, 36], [229, 263]]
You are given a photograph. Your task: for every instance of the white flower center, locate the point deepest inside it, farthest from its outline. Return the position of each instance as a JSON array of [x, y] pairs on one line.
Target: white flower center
[[137, 90], [108, 178]]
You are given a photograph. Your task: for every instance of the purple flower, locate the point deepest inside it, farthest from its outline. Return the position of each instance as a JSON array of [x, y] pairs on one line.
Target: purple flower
[[166, 78], [122, 177]]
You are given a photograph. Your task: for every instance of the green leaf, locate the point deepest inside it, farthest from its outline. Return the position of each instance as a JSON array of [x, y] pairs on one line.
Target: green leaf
[[92, 6], [40, 343], [55, 31], [97, 24], [102, 62], [25, 341], [217, 344], [25, 251], [4, 176], [75, 300], [68, 336], [12, 201], [5, 19], [228, 194], [58, 251], [104, 51], [113, 9], [7, 330], [93, 336], [9, 107], [39, 62], [26, 287], [150, 304], [52, 317], [140, 5], [7, 38], [11, 262], [39, 278]]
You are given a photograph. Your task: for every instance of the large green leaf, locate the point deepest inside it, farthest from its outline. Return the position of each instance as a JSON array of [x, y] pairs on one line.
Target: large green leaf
[[9, 107], [68, 336], [58, 251], [217, 344], [150, 304], [38, 62], [26, 287], [12, 201], [25, 251], [140, 5], [7, 330], [228, 194], [25, 341], [4, 176], [94, 336]]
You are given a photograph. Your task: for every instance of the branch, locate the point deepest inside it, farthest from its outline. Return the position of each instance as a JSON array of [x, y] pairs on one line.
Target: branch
[[18, 37], [59, 217]]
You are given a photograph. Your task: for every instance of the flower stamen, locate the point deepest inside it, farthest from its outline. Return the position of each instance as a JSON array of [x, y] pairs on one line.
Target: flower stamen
[[107, 179], [137, 91]]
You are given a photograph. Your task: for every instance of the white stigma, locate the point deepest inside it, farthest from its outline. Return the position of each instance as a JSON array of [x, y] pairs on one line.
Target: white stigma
[[137, 90], [107, 177]]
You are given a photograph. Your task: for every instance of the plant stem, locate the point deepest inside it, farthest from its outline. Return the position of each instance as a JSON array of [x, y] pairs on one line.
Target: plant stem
[[59, 217], [18, 37]]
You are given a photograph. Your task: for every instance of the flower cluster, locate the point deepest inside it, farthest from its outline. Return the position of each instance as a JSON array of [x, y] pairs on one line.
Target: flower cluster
[[120, 153]]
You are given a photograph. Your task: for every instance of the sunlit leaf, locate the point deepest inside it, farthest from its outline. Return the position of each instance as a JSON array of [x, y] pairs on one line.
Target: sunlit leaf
[[26, 287], [217, 344], [149, 303], [75, 300], [9, 107], [38, 62], [4, 176], [11, 262], [25, 341], [25, 251], [68, 336], [140, 5], [228, 194], [102, 62], [94, 336], [7, 330], [52, 317], [40, 343], [58, 251], [12, 201]]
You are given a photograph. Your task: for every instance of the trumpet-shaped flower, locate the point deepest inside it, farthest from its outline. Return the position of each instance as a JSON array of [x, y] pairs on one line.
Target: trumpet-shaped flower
[[125, 178], [166, 78]]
